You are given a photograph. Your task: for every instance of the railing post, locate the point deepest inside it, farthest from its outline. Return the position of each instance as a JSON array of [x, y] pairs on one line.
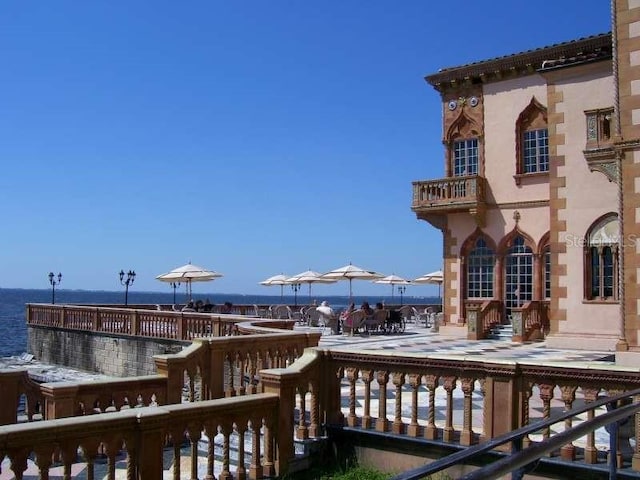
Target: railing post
[[517, 321], [60, 400], [503, 403], [283, 385], [474, 322], [149, 445], [135, 323], [9, 388]]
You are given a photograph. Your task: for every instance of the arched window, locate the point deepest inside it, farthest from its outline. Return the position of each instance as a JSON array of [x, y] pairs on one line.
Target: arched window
[[518, 278], [601, 260], [464, 147], [532, 140], [480, 268]]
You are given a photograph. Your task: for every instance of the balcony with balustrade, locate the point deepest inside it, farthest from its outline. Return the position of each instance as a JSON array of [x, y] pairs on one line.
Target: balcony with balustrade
[[433, 200]]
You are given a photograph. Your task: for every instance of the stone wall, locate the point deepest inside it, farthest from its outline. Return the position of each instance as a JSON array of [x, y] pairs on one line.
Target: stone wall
[[113, 355]]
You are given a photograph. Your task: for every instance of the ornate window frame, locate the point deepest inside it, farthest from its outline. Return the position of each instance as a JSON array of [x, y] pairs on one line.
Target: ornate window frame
[[532, 119], [601, 259]]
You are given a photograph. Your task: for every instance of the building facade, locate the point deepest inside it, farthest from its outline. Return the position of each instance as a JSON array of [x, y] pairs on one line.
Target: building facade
[[540, 199]]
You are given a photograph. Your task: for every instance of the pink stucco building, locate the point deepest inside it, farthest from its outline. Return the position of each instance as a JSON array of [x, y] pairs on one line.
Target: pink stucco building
[[539, 199]]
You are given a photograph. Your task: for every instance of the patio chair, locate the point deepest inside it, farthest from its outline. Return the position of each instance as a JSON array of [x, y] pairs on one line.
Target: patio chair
[[312, 317], [377, 321], [406, 312], [259, 312], [282, 312], [426, 316], [353, 322]]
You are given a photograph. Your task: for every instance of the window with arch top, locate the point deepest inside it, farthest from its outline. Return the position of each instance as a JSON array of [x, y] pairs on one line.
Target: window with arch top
[[601, 259], [480, 270], [532, 141]]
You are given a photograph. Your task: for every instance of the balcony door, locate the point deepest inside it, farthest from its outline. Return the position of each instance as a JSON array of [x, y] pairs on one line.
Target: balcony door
[[518, 275]]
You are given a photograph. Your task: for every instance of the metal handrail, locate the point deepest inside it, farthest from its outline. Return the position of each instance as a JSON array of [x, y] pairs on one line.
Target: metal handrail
[[523, 458]]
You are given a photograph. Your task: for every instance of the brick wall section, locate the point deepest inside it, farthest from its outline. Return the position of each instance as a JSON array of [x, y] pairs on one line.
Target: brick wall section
[[106, 354], [557, 211], [628, 57]]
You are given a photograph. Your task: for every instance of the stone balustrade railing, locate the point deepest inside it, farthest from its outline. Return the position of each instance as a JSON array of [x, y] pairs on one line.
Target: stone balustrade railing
[[242, 426], [384, 392], [448, 191]]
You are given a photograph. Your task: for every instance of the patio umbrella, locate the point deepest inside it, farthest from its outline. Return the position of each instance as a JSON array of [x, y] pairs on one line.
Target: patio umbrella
[[308, 277], [276, 280], [351, 272], [393, 280], [433, 278], [188, 274]]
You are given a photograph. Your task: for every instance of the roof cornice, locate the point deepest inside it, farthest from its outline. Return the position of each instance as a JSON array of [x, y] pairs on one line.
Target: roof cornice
[[588, 49]]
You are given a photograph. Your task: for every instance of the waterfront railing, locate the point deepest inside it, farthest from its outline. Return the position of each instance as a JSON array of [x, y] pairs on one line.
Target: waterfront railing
[[314, 390]]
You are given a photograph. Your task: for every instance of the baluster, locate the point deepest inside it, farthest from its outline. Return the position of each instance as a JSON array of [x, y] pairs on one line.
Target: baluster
[[255, 469], [231, 387], [176, 440], [225, 474], [352, 376], [449, 385], [314, 426], [241, 389], [568, 451], [43, 461], [111, 460], [467, 436], [382, 423], [431, 432], [590, 450], [194, 437], [526, 397], [210, 430], [251, 387], [241, 472], [302, 432], [18, 463], [192, 386], [131, 462], [398, 425], [414, 381], [367, 378], [546, 395], [268, 465]]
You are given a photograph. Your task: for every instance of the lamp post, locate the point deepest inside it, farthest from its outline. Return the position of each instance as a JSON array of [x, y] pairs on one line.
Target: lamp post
[[54, 282], [295, 287], [401, 290], [174, 285], [131, 276]]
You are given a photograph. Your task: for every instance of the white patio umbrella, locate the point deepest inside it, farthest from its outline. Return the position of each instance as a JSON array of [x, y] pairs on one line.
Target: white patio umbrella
[[351, 272], [188, 274], [276, 280], [433, 278], [393, 280], [308, 277]]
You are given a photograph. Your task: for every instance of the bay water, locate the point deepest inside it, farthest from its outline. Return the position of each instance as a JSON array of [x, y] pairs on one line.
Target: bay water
[[13, 301]]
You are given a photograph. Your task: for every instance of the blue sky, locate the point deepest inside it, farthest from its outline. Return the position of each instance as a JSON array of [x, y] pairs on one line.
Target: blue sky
[[250, 137]]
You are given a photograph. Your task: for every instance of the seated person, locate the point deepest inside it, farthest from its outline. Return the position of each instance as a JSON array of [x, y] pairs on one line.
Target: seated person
[[189, 307], [227, 307], [328, 316], [368, 311], [345, 315], [207, 307]]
